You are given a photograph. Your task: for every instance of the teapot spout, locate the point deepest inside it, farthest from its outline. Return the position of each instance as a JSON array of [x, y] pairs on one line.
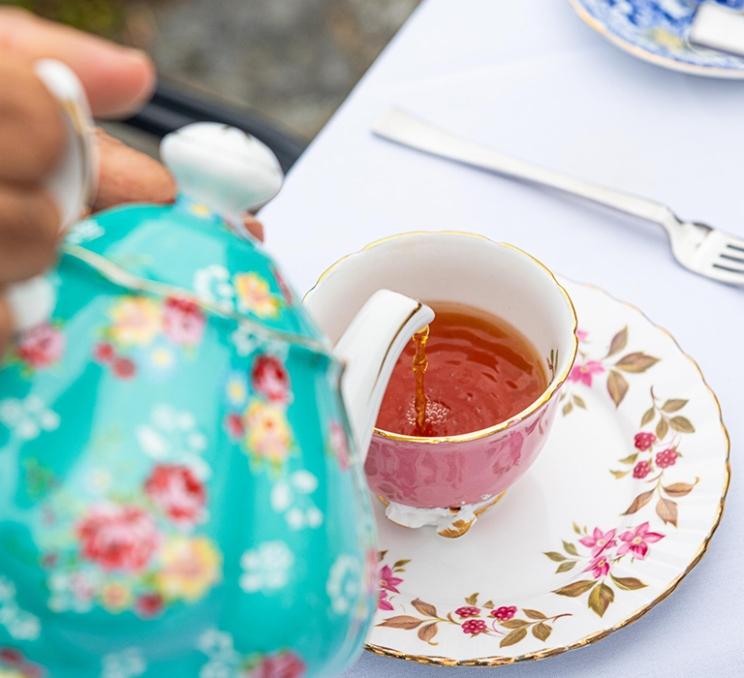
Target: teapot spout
[[369, 348]]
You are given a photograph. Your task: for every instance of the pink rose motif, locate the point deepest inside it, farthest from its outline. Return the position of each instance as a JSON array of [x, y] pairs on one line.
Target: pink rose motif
[[10, 657], [178, 492], [150, 605], [598, 541], [281, 665], [118, 537], [339, 445], [388, 580], [183, 321], [235, 425], [584, 373], [600, 566], [383, 603], [270, 379], [41, 346], [637, 541]]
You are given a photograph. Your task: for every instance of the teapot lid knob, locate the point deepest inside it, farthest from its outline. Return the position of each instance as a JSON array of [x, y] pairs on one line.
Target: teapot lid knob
[[228, 170]]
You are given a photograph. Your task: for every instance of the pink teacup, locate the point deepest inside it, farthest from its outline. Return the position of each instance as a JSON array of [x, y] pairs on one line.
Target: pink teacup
[[448, 481]]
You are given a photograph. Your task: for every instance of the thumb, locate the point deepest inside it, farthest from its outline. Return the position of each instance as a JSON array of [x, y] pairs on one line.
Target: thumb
[[117, 80]]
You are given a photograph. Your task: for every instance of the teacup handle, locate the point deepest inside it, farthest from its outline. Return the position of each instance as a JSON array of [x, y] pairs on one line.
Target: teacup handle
[[72, 185]]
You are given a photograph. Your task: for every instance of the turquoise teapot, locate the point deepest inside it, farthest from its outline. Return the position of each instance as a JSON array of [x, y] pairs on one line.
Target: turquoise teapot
[[181, 451]]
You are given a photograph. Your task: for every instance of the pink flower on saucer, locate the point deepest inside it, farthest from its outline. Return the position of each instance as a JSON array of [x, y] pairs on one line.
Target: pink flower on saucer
[[644, 440], [474, 627], [467, 611], [583, 373], [667, 458], [598, 541], [637, 541], [504, 613], [599, 566], [388, 580], [582, 335], [383, 603]]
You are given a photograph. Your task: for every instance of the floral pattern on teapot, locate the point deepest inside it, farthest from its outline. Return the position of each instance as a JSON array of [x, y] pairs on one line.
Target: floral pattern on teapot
[[180, 495]]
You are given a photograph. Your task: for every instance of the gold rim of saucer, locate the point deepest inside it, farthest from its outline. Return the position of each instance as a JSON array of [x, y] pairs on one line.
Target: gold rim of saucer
[[554, 385], [492, 661]]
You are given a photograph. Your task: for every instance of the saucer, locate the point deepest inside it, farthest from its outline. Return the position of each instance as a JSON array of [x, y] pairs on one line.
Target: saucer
[[657, 32], [618, 508]]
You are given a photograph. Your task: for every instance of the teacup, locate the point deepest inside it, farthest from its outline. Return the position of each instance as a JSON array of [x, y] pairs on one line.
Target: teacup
[[448, 481]]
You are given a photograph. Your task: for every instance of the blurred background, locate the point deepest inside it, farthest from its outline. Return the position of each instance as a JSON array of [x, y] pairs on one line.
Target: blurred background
[[291, 61]]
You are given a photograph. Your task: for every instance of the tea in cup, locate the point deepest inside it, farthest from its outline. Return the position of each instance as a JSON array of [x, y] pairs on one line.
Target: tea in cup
[[469, 406]]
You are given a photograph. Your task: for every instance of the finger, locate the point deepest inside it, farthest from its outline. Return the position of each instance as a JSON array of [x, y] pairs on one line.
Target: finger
[[32, 134], [254, 226], [6, 326], [28, 232], [127, 175], [117, 80]]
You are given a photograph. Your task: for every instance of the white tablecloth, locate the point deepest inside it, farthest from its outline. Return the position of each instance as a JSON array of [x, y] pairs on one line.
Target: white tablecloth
[[529, 78]]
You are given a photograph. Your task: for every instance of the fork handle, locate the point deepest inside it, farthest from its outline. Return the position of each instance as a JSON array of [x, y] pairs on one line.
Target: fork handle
[[407, 130]]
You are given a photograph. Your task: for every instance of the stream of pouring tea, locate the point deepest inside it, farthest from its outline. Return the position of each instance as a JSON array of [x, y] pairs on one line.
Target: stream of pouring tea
[[420, 363]]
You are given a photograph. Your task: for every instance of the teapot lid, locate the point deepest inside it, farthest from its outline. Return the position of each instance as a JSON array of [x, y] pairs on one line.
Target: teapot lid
[[197, 248]]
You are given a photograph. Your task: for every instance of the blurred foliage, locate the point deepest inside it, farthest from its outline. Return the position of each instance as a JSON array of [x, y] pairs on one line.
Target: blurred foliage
[[105, 17]]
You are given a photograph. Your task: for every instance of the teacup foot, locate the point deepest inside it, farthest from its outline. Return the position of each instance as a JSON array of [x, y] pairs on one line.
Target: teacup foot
[[451, 522]]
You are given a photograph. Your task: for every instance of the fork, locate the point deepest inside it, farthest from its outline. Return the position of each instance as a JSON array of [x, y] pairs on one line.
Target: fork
[[698, 247]]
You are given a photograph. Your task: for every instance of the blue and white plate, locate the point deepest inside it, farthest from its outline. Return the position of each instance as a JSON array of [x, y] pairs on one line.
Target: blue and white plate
[[657, 30]]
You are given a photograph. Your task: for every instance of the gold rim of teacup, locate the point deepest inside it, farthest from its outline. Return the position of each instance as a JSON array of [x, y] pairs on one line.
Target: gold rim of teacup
[[555, 383]]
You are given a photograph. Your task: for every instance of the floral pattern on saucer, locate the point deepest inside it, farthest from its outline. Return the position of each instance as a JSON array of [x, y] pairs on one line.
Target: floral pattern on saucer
[[610, 367], [656, 30], [600, 553], [639, 477], [472, 619]]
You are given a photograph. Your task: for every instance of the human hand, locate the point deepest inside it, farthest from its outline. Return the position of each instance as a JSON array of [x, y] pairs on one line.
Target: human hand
[[117, 81]]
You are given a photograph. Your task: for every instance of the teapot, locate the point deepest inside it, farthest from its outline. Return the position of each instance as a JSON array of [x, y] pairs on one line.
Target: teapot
[[181, 450]]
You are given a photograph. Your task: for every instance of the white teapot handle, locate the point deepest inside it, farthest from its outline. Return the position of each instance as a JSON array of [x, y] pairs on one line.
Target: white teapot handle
[[72, 185]]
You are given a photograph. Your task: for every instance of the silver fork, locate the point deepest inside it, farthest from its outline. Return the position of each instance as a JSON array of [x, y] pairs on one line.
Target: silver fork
[[698, 247]]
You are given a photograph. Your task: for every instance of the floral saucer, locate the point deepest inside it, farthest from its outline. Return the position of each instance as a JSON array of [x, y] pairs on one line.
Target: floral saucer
[[657, 30], [618, 508]]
